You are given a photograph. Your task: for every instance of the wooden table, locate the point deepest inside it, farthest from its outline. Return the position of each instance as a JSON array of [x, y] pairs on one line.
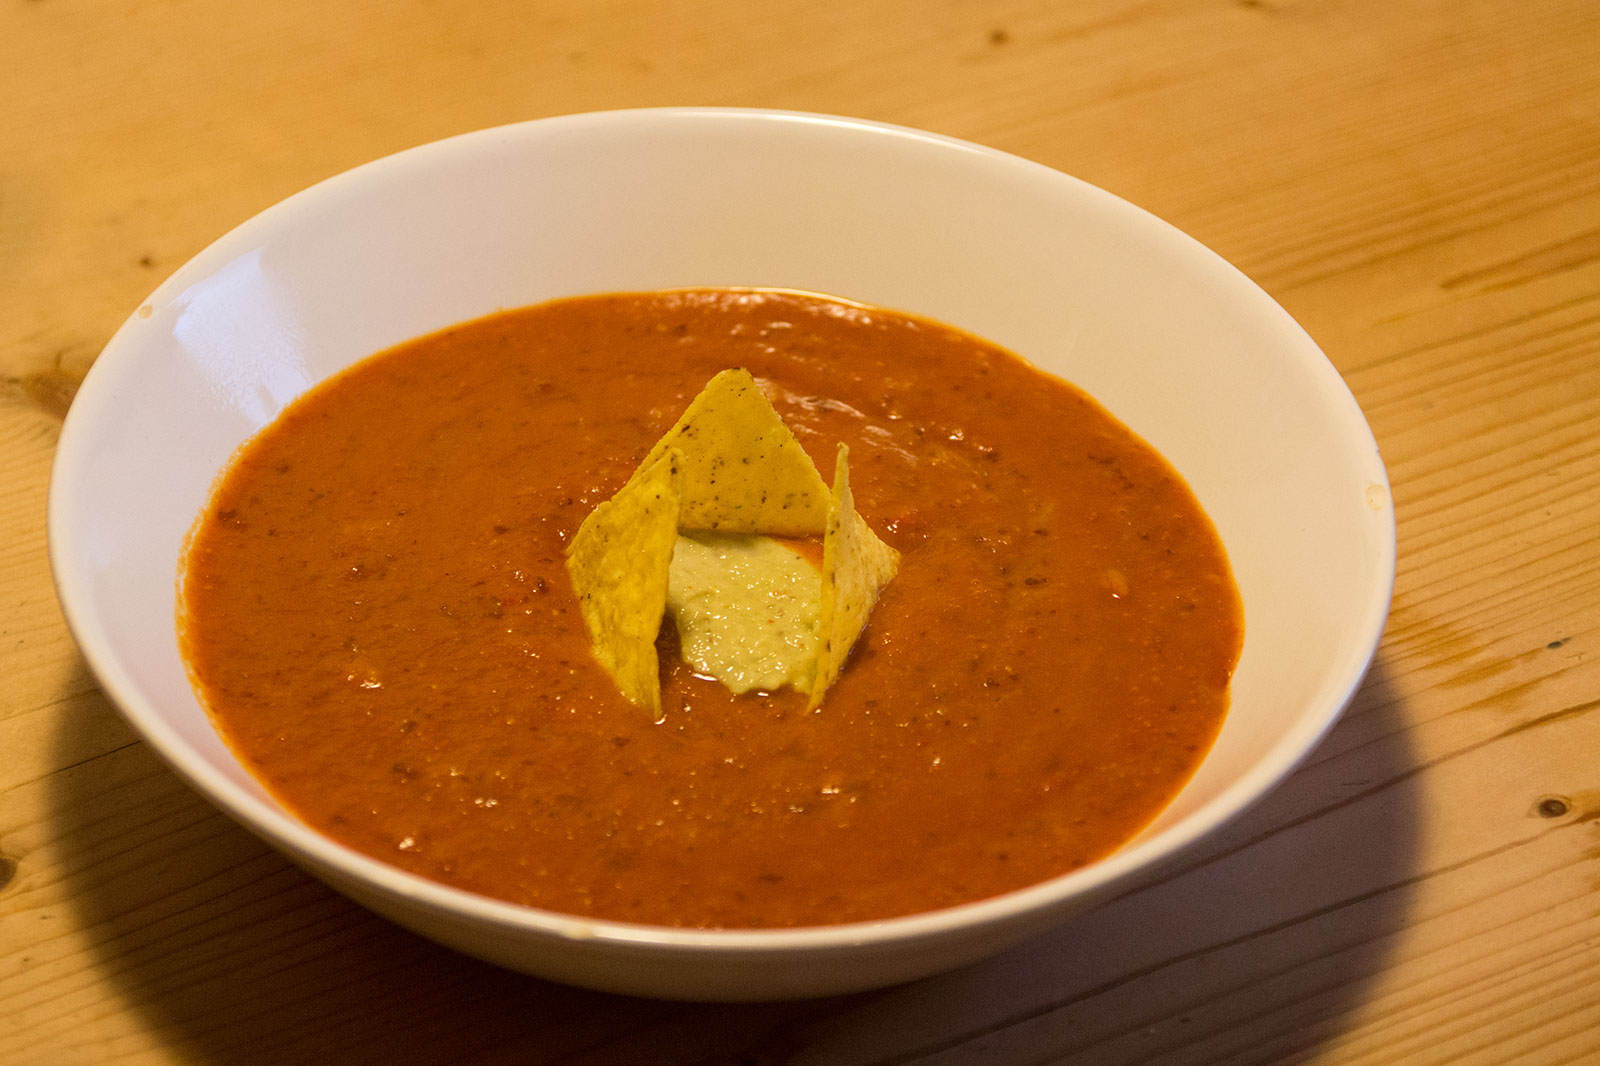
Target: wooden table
[[1419, 183]]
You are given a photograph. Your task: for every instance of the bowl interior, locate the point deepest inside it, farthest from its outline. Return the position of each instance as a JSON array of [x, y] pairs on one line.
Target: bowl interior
[[1177, 344]]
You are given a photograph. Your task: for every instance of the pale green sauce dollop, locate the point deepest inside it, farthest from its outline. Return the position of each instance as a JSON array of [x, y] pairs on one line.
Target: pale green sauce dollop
[[746, 608]]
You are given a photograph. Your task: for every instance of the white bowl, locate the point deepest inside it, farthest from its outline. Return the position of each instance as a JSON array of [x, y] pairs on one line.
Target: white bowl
[[1174, 341]]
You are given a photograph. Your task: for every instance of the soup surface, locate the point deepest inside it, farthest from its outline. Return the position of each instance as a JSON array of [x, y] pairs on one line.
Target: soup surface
[[376, 613]]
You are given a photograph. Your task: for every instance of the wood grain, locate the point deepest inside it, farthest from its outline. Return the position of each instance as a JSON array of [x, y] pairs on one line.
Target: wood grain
[[1418, 183]]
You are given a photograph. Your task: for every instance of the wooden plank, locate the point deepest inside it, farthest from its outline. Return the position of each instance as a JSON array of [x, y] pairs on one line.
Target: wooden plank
[[1418, 183]]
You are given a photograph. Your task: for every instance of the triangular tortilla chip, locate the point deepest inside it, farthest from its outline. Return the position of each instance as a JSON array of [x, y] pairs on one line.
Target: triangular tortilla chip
[[743, 469], [619, 561], [728, 465], [856, 565]]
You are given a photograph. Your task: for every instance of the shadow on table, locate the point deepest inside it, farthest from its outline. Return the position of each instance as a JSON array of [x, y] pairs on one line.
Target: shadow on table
[[1258, 945]]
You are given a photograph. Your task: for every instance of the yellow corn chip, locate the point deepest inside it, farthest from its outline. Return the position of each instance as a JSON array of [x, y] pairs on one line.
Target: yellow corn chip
[[619, 561], [743, 470], [855, 567], [728, 465]]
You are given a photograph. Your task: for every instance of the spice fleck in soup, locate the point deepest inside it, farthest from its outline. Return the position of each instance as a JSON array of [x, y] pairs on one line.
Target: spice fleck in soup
[[376, 612]]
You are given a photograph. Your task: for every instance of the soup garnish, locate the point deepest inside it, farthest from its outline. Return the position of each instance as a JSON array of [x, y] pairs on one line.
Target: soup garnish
[[745, 605]]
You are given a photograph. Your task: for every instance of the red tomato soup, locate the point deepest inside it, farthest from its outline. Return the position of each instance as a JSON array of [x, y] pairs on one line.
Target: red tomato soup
[[376, 613]]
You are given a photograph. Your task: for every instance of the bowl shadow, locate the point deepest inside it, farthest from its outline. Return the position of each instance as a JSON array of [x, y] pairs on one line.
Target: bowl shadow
[[1264, 939], [1260, 945]]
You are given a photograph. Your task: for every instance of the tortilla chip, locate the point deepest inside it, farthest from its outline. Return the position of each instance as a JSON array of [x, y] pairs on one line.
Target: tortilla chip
[[856, 565], [619, 561], [731, 466], [743, 469]]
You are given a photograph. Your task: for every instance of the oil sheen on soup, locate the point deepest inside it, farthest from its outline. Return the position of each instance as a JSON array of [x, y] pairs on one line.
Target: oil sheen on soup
[[376, 613]]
